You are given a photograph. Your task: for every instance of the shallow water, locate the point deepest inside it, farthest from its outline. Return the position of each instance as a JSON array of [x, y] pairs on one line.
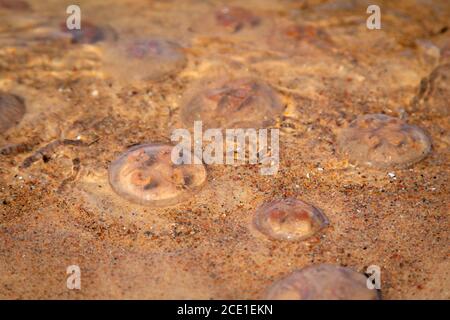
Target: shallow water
[[89, 98]]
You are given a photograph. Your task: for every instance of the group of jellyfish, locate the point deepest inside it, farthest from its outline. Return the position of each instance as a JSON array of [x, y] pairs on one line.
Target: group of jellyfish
[[146, 175]]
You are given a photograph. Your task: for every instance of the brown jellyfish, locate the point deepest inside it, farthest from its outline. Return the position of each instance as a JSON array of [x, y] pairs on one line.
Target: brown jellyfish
[[322, 282], [381, 141], [145, 59], [289, 219], [239, 103], [236, 18], [297, 39], [17, 5], [89, 33], [12, 110], [145, 174], [434, 92]]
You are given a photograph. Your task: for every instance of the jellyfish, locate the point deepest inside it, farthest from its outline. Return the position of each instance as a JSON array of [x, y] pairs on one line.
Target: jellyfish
[[289, 219], [12, 110], [236, 18], [239, 103], [298, 39], [150, 59], [381, 141], [89, 33], [322, 282], [17, 5], [145, 174]]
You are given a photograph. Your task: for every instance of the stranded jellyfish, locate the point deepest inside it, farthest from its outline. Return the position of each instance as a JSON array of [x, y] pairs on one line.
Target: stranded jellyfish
[[435, 91], [89, 33], [12, 110], [302, 33], [295, 39], [146, 175], [289, 219], [18, 5], [322, 282], [382, 141], [236, 18], [240, 103], [146, 59]]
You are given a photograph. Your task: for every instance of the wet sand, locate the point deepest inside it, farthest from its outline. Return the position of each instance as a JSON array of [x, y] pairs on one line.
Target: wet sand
[[58, 209]]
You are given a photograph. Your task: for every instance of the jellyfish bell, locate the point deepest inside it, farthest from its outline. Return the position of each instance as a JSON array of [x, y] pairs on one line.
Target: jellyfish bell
[[322, 282], [289, 219], [12, 110], [381, 141], [16, 5], [146, 175], [144, 59], [89, 33], [236, 103], [235, 18]]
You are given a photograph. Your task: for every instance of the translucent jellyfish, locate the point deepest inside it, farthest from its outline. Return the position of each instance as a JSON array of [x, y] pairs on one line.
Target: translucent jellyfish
[[322, 282], [18, 5], [89, 33], [298, 39], [289, 219], [302, 33], [21, 30], [236, 18], [240, 103], [435, 91], [145, 59], [12, 110], [228, 20], [382, 141], [146, 175]]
